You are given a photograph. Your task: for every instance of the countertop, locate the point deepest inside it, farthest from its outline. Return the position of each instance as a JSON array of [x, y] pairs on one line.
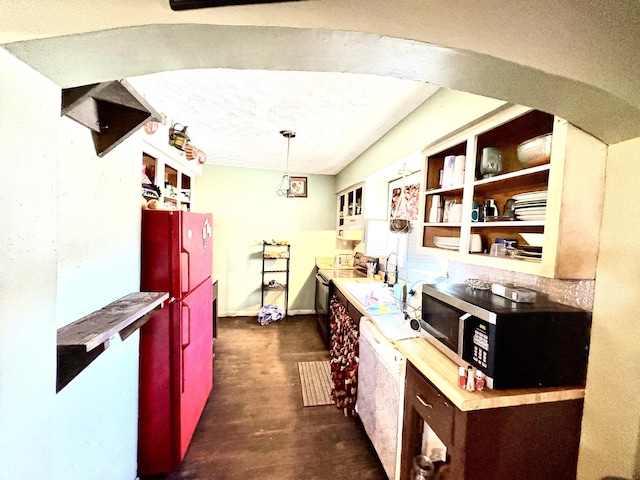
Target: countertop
[[443, 372], [326, 263]]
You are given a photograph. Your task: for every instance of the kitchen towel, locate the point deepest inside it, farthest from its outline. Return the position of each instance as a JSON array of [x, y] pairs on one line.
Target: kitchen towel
[[315, 379]]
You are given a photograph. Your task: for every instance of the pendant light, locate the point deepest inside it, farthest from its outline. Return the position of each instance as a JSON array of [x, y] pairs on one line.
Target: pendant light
[[284, 189]]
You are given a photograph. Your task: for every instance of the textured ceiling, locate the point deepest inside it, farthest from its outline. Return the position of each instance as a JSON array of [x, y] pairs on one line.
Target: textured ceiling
[[235, 116]]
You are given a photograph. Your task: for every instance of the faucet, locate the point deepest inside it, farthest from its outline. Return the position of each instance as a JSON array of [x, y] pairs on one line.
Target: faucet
[[386, 269]]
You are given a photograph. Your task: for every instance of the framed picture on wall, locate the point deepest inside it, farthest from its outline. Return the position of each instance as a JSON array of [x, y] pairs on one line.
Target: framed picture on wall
[[298, 186]]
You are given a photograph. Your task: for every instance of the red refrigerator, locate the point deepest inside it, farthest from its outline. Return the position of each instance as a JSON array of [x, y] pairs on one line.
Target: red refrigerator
[[176, 365]]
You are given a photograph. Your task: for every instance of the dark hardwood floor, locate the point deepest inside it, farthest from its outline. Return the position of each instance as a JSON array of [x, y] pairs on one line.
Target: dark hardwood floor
[[255, 425]]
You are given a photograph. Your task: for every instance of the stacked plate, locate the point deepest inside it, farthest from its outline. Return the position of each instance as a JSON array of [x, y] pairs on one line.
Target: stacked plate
[[531, 206], [532, 251], [450, 243], [529, 252]]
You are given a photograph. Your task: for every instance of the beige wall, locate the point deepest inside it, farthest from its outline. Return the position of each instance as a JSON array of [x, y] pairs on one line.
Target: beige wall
[[246, 211], [445, 112], [610, 439]]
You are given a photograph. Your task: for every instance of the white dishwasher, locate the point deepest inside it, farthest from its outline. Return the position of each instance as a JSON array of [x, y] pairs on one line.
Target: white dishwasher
[[380, 394]]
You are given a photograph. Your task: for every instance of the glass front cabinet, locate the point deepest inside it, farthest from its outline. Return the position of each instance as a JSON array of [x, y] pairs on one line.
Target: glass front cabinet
[[350, 213], [174, 181]]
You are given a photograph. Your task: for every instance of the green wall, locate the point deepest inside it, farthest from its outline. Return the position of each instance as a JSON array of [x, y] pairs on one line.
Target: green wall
[[246, 211]]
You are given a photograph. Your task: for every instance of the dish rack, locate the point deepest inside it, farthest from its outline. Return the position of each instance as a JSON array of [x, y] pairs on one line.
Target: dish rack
[[409, 311]]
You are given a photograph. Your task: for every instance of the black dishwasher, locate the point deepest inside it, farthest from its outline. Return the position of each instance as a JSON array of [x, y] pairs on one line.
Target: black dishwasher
[[323, 289]]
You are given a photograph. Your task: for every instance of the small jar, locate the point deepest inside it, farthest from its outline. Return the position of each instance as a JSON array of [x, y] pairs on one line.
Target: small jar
[[423, 468], [471, 383]]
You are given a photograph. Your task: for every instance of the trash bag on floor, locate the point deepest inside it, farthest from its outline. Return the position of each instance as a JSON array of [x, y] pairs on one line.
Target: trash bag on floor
[[270, 314]]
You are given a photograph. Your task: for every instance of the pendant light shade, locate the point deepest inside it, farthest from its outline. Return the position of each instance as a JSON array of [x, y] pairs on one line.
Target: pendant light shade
[[284, 189]]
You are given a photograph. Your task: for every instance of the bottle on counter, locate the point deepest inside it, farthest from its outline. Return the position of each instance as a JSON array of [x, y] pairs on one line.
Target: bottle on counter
[[471, 381], [479, 380], [462, 377]]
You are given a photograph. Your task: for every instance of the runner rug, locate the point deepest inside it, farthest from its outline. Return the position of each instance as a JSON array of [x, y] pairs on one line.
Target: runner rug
[[315, 378]]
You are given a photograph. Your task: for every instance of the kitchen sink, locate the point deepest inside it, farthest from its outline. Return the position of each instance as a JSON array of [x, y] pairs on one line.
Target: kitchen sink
[[392, 324], [363, 292]]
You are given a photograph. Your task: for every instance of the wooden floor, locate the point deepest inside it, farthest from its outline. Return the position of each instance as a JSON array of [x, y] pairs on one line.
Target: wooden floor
[[255, 425]]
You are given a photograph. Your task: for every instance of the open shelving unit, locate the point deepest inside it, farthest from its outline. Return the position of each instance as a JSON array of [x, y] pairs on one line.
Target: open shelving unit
[[275, 270], [572, 178]]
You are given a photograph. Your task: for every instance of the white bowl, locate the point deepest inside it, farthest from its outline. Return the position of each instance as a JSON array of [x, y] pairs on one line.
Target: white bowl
[[533, 239], [535, 151]]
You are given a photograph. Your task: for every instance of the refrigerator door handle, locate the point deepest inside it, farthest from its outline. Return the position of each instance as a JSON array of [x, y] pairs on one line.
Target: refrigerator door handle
[[185, 335], [185, 266]]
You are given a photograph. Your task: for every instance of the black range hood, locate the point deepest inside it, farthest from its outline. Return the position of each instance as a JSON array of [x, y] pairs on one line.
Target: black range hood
[[193, 4], [111, 110]]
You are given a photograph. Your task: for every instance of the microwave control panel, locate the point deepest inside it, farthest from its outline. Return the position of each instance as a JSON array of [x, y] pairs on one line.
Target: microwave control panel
[[480, 345]]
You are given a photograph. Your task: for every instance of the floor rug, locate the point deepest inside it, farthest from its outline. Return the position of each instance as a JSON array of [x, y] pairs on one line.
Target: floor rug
[[315, 378]]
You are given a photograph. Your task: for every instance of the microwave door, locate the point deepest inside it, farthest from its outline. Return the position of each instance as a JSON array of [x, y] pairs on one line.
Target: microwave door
[[435, 333]]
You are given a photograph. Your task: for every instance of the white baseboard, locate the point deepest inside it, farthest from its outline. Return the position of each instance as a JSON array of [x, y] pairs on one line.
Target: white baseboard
[[254, 313]]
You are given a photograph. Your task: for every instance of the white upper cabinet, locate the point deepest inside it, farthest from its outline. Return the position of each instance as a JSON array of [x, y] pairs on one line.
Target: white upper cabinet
[[175, 178], [364, 201]]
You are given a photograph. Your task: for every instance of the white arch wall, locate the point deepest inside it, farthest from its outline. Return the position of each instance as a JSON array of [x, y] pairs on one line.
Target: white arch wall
[[578, 59], [92, 57], [592, 43]]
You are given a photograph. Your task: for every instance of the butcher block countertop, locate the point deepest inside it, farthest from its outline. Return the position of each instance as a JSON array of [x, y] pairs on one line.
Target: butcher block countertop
[[443, 372]]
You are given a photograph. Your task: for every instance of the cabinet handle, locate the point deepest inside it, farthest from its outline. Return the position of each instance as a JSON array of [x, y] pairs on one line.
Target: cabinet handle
[[423, 402]]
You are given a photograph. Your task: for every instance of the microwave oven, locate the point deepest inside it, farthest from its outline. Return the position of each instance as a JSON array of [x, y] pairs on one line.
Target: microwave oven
[[515, 344]]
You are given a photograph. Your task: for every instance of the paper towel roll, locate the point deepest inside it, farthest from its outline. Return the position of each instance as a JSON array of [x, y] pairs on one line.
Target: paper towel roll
[[458, 169], [447, 173], [435, 214]]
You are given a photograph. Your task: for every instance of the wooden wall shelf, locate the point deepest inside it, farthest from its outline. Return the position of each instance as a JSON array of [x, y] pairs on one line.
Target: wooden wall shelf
[[82, 341]]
